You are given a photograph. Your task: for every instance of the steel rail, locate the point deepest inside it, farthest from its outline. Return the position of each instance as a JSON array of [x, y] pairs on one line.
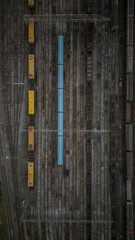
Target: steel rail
[[66, 221], [66, 18]]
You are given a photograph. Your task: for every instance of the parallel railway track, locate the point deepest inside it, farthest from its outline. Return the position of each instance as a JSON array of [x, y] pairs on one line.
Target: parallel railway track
[[60, 199]]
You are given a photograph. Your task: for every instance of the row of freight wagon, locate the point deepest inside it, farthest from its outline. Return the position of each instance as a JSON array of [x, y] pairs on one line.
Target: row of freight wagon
[[129, 122], [130, 31], [31, 101]]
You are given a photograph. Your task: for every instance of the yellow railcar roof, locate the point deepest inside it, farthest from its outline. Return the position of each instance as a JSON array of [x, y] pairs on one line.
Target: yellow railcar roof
[[30, 174], [31, 32], [31, 102], [30, 138], [31, 3], [31, 66]]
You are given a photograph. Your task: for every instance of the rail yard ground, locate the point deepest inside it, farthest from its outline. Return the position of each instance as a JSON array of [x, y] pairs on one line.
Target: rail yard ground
[[85, 198]]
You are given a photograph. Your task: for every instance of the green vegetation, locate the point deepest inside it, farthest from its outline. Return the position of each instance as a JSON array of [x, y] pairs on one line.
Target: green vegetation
[[3, 223]]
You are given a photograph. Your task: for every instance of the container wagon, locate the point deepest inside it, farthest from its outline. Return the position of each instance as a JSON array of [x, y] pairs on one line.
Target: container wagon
[[130, 31], [129, 137], [130, 216], [129, 165], [130, 87], [128, 112], [90, 30], [129, 59], [130, 8], [31, 31], [30, 174], [31, 3], [30, 138], [31, 66], [31, 102], [129, 190]]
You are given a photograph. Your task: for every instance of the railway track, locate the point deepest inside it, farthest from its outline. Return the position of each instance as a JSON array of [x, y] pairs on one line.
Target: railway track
[[116, 141], [82, 157], [53, 124], [12, 103], [74, 125], [115, 207], [5, 180], [60, 196], [100, 165], [47, 89], [39, 124], [7, 199], [66, 167], [70, 134]]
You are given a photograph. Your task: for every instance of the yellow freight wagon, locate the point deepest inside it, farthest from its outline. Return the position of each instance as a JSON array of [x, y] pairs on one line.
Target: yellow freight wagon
[[31, 66], [30, 138], [31, 3], [31, 102], [30, 174], [31, 31]]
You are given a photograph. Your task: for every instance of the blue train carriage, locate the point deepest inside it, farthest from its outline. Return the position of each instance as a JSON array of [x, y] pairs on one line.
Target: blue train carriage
[[60, 49], [60, 150], [60, 100], [60, 76]]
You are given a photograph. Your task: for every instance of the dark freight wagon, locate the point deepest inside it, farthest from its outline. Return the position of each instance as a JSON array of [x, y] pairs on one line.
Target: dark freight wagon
[[128, 112], [129, 59], [90, 28], [129, 165], [130, 31], [115, 13], [129, 190], [130, 87], [129, 137], [129, 216]]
